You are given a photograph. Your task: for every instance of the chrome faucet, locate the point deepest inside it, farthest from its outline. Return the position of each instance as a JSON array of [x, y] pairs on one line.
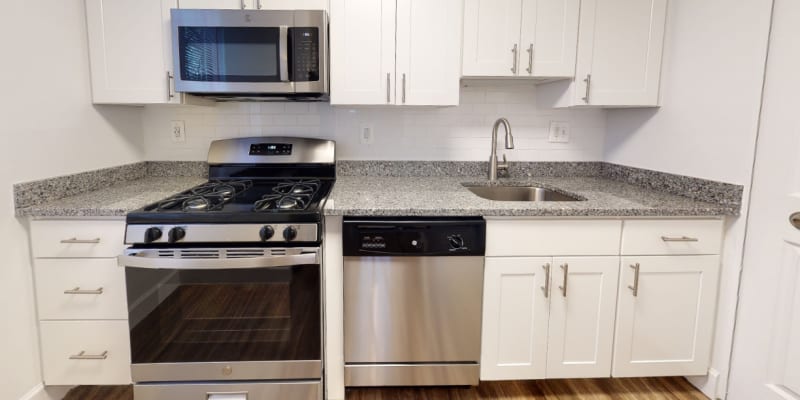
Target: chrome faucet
[[494, 166]]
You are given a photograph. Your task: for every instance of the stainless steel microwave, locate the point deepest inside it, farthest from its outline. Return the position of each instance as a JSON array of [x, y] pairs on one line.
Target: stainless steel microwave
[[257, 54]]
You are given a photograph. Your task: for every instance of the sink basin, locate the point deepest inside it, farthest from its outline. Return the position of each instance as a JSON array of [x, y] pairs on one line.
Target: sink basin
[[519, 193]]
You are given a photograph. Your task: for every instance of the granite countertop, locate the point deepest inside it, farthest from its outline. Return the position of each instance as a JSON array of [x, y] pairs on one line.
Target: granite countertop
[[441, 196], [116, 200]]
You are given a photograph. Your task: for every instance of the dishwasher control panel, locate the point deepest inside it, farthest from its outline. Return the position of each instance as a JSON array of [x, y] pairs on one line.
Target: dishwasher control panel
[[414, 237]]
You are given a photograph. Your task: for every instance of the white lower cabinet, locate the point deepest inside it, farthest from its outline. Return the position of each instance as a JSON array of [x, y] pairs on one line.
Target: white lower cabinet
[[582, 306], [85, 352], [665, 316], [602, 315], [515, 309]]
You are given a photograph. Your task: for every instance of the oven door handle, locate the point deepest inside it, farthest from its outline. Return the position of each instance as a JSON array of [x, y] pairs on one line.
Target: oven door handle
[[142, 261]]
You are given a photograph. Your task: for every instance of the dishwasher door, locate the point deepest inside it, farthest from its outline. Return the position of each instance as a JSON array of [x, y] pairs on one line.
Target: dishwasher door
[[412, 320]]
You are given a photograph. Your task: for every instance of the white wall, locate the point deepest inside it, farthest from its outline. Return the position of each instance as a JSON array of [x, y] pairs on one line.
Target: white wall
[[48, 127], [711, 92], [447, 133]]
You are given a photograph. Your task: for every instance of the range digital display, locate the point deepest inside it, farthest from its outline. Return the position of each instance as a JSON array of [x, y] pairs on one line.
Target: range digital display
[[270, 149]]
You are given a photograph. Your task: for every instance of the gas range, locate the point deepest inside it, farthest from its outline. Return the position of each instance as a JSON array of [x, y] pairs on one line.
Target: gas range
[[224, 280], [277, 198]]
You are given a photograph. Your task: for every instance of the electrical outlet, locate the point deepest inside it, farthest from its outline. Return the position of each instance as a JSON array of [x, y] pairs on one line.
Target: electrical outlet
[[178, 131], [559, 132], [366, 134]]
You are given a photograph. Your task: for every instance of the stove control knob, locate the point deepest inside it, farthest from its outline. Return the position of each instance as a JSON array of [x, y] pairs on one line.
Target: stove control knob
[[152, 234], [456, 242], [176, 234], [266, 233], [290, 233]]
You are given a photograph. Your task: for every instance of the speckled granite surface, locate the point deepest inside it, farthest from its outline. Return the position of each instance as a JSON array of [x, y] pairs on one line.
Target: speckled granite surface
[[463, 168], [435, 196]]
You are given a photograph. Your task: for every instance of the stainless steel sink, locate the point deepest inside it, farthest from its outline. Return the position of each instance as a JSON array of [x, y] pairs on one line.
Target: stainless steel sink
[[519, 193]]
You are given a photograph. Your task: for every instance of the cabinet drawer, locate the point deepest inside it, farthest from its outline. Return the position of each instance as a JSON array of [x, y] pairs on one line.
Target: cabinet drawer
[[97, 289], [667, 237], [63, 342], [77, 239], [549, 237]]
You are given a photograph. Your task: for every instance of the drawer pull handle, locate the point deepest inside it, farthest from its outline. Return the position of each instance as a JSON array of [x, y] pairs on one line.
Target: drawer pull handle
[[546, 287], [679, 239], [80, 241], [83, 356], [635, 287], [565, 267], [77, 290]]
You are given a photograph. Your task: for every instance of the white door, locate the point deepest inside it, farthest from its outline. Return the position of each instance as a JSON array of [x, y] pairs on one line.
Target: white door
[[515, 312], [665, 315], [126, 48], [549, 38], [428, 58], [362, 49], [619, 52], [491, 37], [217, 4], [582, 308], [766, 351]]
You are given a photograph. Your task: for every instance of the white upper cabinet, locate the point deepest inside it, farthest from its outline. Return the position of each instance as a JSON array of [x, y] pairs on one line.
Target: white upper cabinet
[[620, 48], [255, 4], [395, 52], [524, 38], [218, 4], [362, 51], [128, 46], [428, 55]]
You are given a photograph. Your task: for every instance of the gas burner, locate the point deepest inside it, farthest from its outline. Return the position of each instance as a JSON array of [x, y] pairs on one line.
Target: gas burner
[[277, 202], [226, 189], [209, 196]]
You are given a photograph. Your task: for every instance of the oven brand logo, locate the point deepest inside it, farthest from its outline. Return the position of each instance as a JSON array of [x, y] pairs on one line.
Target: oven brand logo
[[247, 18]]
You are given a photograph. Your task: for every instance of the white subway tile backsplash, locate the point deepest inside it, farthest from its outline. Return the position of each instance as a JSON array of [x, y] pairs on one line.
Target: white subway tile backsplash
[[400, 133]]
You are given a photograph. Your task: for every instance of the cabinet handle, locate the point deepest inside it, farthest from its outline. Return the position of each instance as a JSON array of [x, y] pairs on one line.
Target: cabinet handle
[[241, 4], [679, 239], [514, 59], [404, 88], [565, 267], [388, 88], [530, 60], [635, 287], [77, 290], [546, 287], [588, 81], [258, 4], [170, 93], [794, 219], [80, 241], [83, 356]]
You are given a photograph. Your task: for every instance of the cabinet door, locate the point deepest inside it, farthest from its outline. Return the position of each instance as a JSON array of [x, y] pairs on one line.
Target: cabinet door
[[218, 4], [428, 52], [126, 51], [291, 4], [619, 50], [362, 51], [582, 308], [491, 31], [549, 38], [515, 312], [664, 328]]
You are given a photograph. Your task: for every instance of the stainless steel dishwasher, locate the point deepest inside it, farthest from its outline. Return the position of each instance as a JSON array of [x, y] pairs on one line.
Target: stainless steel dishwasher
[[412, 301]]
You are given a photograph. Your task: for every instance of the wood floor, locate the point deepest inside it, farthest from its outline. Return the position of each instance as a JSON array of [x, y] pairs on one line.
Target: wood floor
[[564, 389]]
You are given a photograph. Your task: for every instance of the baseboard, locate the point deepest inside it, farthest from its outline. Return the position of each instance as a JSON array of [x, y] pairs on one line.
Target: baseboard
[[40, 392], [708, 384]]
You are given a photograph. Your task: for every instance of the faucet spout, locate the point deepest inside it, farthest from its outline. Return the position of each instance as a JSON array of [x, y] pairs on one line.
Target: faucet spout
[[509, 141]]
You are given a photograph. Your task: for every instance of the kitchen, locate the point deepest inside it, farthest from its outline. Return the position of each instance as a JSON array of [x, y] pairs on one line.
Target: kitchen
[[711, 113]]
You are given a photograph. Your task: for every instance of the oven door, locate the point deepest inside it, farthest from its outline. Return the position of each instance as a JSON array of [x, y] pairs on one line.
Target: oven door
[[209, 314], [249, 51]]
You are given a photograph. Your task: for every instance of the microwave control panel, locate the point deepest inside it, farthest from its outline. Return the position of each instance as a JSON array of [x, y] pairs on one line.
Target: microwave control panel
[[304, 49]]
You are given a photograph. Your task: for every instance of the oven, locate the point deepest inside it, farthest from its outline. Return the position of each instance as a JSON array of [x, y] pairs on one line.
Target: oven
[[250, 53], [224, 323]]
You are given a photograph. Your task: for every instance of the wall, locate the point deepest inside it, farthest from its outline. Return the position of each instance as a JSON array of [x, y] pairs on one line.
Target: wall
[[445, 133], [49, 127], [711, 92]]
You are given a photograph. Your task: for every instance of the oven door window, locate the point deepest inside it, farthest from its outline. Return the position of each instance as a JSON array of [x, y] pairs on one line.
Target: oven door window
[[261, 314], [222, 54]]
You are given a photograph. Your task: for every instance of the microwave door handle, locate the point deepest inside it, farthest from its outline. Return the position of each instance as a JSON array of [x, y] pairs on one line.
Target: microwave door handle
[[142, 260], [283, 45]]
